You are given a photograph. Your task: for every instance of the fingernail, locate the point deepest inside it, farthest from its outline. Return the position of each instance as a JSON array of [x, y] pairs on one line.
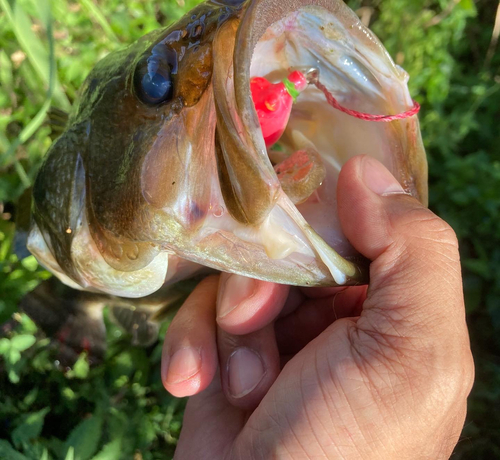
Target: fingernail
[[378, 179], [245, 371], [184, 364], [236, 289]]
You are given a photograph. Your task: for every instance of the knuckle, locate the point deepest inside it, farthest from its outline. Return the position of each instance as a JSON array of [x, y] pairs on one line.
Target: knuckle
[[423, 223], [443, 354], [422, 236], [465, 372], [454, 381]]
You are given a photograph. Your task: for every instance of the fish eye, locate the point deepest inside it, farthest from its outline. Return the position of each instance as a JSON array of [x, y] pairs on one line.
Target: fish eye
[[152, 79], [155, 87]]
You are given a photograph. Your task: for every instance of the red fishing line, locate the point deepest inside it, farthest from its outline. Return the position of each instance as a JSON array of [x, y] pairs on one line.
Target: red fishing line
[[366, 116]]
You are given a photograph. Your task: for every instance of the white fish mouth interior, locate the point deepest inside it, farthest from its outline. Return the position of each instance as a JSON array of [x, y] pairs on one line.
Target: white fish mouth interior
[[358, 77]]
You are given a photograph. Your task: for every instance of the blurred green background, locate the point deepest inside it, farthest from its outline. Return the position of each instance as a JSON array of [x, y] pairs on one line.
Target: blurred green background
[[118, 409]]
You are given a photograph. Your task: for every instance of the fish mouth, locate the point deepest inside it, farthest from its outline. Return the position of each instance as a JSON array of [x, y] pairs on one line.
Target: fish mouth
[[355, 68], [273, 39], [238, 210]]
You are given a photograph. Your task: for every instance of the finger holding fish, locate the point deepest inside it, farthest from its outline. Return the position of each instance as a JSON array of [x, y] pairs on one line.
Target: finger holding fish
[[244, 348], [189, 357], [264, 332]]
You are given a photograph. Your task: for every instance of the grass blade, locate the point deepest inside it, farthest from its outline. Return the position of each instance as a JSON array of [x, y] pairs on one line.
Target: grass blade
[[36, 122], [94, 10], [33, 48]]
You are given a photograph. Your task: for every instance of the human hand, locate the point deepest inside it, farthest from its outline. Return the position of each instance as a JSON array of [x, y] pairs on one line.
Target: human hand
[[382, 373]]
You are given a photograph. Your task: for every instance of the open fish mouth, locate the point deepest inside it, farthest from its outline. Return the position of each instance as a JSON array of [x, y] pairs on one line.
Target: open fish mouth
[[191, 181]]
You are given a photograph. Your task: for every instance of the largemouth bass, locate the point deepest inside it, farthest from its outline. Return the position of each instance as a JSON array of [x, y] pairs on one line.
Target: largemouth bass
[[163, 169]]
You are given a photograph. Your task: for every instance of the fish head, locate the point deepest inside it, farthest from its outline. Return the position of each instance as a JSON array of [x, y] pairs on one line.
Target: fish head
[[91, 206], [163, 167]]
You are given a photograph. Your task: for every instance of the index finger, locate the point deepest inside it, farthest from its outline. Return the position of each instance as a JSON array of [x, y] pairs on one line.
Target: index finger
[[246, 305]]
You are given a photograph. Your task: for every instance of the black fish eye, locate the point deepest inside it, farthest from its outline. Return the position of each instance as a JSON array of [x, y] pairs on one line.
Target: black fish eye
[[156, 87], [153, 82]]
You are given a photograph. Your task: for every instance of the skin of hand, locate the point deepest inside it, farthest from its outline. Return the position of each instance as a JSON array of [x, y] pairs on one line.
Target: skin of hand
[[332, 373]]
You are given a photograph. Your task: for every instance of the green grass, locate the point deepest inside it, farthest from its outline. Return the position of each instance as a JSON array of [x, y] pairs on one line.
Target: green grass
[[119, 409]]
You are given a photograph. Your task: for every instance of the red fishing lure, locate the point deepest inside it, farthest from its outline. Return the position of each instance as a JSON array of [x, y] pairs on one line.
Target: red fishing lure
[[273, 103]]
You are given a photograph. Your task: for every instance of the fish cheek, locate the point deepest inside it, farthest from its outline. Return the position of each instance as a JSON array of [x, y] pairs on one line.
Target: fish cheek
[[179, 170], [170, 171]]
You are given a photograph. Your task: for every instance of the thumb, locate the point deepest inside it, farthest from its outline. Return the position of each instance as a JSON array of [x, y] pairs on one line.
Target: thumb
[[398, 374], [415, 279]]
